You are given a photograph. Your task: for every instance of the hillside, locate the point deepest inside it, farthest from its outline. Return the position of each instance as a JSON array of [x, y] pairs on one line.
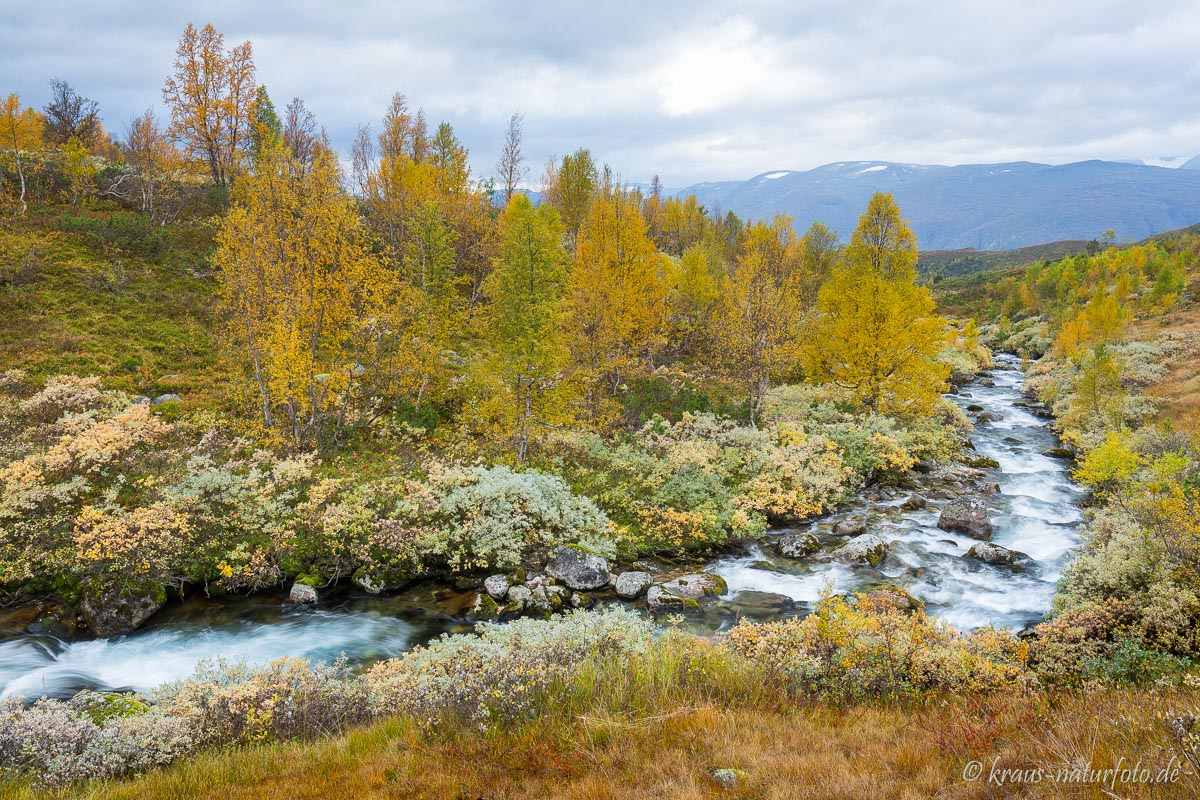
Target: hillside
[[981, 206], [950, 263]]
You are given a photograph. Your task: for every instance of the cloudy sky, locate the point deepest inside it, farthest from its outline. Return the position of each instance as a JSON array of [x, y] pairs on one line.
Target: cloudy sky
[[689, 90]]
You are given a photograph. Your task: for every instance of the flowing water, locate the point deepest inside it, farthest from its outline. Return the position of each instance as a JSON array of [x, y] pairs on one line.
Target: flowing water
[[1035, 512]]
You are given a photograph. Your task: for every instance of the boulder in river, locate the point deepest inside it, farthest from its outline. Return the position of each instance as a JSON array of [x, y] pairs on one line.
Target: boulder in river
[[761, 605], [1059, 452], [990, 553], [850, 527], [484, 608], [914, 503], [865, 549], [577, 568], [684, 592], [113, 610], [380, 581], [967, 515], [797, 545], [631, 585], [302, 594], [895, 597]]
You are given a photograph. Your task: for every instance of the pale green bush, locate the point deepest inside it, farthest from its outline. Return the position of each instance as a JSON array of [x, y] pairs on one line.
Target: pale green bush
[[59, 744], [493, 517], [502, 672], [230, 703]]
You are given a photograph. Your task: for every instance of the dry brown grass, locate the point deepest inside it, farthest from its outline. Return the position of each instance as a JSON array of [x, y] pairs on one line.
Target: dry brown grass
[[1181, 388], [810, 751]]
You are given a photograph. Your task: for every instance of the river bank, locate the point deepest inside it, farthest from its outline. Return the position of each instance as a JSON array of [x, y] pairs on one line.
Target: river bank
[[1026, 495]]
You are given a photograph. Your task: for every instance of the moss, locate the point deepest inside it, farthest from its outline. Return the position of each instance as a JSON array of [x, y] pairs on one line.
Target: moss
[[485, 607], [100, 707]]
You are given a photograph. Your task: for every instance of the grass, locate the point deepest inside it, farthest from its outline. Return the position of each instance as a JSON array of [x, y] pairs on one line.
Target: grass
[[1180, 389], [801, 751], [659, 725], [108, 293]]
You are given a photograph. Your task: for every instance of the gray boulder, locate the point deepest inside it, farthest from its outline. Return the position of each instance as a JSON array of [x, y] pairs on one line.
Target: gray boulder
[[380, 580], [850, 527], [577, 568], [496, 586], [165, 398], [685, 592], [302, 594], [967, 515], [865, 549], [990, 553], [761, 605], [797, 545], [914, 502], [631, 585], [113, 610], [518, 598], [895, 597]]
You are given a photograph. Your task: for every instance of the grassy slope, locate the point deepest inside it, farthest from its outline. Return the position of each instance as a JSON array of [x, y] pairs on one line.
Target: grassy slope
[[948, 264], [91, 306], [809, 751], [940, 264]]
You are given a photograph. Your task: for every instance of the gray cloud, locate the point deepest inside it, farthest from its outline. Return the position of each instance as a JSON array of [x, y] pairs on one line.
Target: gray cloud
[[692, 91]]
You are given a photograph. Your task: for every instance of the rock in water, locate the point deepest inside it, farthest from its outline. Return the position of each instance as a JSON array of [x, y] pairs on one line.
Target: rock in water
[[302, 594], [895, 597], [577, 568], [990, 553], [113, 610], [797, 545], [850, 527], [630, 585], [865, 549], [684, 592], [914, 502], [967, 515]]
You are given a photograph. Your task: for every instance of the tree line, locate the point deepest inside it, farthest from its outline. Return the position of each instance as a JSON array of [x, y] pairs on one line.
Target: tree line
[[406, 281]]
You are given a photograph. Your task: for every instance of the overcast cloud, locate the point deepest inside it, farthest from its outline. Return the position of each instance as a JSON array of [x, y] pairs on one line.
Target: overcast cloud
[[692, 91]]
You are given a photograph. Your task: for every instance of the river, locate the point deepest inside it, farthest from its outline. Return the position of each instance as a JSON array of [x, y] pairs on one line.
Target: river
[[1035, 512]]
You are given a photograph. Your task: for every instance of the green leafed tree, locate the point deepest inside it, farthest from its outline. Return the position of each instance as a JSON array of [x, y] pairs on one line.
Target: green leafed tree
[[523, 377]]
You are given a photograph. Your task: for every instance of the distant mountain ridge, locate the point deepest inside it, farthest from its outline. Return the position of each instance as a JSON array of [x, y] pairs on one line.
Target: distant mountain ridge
[[981, 206]]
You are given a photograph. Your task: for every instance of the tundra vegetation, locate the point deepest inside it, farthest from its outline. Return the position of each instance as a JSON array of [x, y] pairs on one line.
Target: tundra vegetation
[[232, 365]]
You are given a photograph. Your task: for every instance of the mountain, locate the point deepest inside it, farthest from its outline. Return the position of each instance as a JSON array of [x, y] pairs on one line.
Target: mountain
[[1170, 162], [1193, 163], [981, 206]]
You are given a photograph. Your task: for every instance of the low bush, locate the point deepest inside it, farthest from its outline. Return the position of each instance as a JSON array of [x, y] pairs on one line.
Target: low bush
[[503, 672], [873, 645]]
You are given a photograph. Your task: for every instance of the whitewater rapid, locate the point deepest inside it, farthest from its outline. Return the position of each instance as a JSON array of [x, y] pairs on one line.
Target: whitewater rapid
[[1036, 511]]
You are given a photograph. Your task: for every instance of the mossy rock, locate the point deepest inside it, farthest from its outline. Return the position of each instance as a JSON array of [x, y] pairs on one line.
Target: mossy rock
[[110, 610], [982, 462], [485, 608]]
